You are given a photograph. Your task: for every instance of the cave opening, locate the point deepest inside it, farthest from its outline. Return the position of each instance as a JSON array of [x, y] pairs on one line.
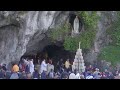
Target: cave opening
[[57, 52], [53, 52]]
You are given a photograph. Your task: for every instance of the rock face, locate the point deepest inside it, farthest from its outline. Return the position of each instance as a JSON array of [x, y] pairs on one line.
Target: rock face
[[24, 30], [101, 40]]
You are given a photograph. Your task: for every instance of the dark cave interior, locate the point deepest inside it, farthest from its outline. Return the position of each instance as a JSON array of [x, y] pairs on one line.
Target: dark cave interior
[[53, 52]]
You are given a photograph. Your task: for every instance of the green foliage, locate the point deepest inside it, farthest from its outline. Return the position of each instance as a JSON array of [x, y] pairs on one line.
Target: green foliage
[[114, 32], [86, 39], [90, 19], [110, 53], [60, 32]]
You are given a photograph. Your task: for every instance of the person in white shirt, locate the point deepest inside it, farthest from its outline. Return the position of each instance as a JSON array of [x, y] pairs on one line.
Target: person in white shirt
[[50, 66], [43, 66], [31, 66]]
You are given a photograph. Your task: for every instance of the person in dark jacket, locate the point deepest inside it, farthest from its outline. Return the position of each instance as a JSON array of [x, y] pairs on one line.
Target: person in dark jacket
[[44, 75], [2, 74], [27, 69], [64, 75], [36, 74], [4, 67], [8, 74], [51, 74], [23, 76]]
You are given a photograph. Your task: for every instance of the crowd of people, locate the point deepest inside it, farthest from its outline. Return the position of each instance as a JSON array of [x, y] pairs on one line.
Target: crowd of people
[[26, 69]]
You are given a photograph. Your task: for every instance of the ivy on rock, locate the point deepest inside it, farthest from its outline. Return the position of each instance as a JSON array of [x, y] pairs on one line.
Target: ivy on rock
[[87, 37]]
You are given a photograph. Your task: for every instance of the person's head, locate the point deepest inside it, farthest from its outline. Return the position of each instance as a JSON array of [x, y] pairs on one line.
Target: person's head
[[90, 66], [4, 64], [75, 71], [44, 60], [89, 74], [50, 61], [32, 60], [29, 76], [23, 72], [66, 77], [106, 70], [96, 69]]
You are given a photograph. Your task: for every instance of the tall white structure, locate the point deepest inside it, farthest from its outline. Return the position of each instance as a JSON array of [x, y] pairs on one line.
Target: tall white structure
[[78, 63]]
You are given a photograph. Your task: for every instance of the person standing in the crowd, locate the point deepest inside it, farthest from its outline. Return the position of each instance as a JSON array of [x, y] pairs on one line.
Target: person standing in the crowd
[[67, 65], [103, 75], [57, 75], [60, 65], [107, 73], [89, 76], [4, 67], [27, 66], [8, 74], [31, 66], [95, 74], [2, 73], [90, 68], [72, 76], [44, 75], [22, 65], [51, 74], [14, 76], [36, 74], [29, 76], [23, 76], [117, 76], [98, 76], [64, 74], [15, 68], [111, 76], [50, 66], [116, 72], [82, 76], [43, 66]]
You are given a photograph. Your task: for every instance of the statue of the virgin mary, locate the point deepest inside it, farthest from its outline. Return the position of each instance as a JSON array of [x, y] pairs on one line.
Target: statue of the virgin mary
[[76, 25]]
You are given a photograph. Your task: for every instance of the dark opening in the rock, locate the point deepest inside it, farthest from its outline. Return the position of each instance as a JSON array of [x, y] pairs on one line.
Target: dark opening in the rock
[[51, 52], [72, 17], [56, 52]]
